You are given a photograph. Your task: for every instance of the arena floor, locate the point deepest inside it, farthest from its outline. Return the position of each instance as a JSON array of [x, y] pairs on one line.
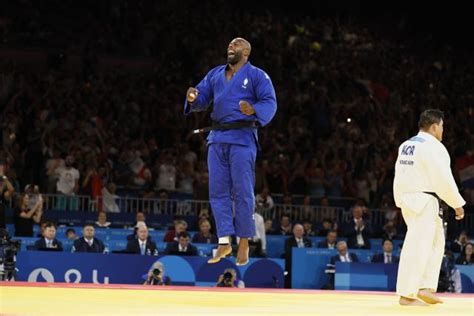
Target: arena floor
[[85, 299]]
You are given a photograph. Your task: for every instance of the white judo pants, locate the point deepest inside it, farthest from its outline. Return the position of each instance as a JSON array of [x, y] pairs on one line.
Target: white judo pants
[[422, 252]]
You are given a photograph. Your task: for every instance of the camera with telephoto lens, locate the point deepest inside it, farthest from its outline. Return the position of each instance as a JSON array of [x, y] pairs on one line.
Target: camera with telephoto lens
[[8, 251], [228, 277], [156, 272]]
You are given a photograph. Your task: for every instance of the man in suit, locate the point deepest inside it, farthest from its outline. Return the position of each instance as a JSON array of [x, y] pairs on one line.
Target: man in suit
[[358, 231], [330, 241], [298, 240], [343, 255], [387, 255], [49, 241], [88, 243], [182, 247], [142, 245]]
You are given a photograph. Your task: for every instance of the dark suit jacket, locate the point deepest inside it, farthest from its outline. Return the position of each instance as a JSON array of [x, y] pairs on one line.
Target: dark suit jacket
[[81, 245], [380, 258], [291, 242], [324, 244], [336, 258], [173, 249], [350, 232], [40, 244], [133, 246]]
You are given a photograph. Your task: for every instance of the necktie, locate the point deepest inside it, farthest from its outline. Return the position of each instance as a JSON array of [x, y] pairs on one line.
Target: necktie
[[389, 258], [300, 243], [142, 248], [347, 258], [50, 244]]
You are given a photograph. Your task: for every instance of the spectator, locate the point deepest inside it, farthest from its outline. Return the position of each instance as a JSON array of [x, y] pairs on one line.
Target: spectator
[[204, 236], [357, 230], [460, 242], [179, 227], [102, 220], [163, 205], [94, 184], [330, 241], [308, 228], [88, 242], [25, 218], [466, 257], [343, 255], [327, 226], [389, 231], [449, 276], [182, 247], [297, 240], [387, 256], [49, 242], [53, 163], [258, 244], [264, 202], [6, 193], [285, 225], [269, 230], [109, 198], [67, 185], [71, 234], [142, 245], [139, 217]]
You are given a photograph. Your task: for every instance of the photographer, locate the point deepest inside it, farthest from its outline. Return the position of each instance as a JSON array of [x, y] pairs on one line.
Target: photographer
[[8, 250], [26, 217], [229, 279], [156, 275]]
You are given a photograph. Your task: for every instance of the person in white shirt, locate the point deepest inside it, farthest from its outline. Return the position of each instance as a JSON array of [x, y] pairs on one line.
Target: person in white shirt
[[102, 220], [422, 174], [67, 185]]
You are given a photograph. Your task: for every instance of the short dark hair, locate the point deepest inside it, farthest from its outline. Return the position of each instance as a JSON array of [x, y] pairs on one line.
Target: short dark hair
[[71, 230], [386, 239], [429, 117], [50, 224], [183, 235], [332, 231], [88, 224]]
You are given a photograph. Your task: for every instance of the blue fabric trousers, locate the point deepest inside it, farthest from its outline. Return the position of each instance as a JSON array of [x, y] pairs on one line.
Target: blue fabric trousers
[[231, 185]]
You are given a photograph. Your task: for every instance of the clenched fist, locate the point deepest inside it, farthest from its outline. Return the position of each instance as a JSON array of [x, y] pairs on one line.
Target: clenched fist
[[246, 108], [192, 94]]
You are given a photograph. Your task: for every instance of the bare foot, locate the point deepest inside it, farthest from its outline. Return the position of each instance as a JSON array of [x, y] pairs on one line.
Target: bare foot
[[405, 301], [243, 252], [222, 252], [428, 297]]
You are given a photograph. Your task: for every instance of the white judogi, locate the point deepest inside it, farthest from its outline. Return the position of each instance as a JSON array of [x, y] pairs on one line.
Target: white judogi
[[423, 164]]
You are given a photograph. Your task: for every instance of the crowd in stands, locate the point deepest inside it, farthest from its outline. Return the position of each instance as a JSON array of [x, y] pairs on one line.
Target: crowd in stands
[[348, 95]]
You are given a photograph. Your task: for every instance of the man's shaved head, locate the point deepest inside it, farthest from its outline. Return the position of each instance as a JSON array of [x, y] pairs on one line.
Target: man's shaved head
[[238, 50]]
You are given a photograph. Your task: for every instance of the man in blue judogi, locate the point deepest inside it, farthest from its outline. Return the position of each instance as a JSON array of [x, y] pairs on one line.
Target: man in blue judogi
[[243, 98]]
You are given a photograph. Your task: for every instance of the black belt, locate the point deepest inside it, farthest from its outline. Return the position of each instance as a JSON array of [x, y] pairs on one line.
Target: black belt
[[227, 126], [441, 212]]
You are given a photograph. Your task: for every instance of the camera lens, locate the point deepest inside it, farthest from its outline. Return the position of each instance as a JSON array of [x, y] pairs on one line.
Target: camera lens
[[156, 272], [227, 275]]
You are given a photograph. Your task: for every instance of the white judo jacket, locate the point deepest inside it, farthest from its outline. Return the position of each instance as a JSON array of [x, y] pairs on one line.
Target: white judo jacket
[[423, 165]]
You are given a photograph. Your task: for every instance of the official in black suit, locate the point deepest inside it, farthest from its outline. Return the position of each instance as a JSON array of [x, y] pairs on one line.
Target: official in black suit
[[387, 255], [142, 245], [298, 240], [88, 242], [330, 241], [49, 241], [358, 231], [182, 247], [343, 255]]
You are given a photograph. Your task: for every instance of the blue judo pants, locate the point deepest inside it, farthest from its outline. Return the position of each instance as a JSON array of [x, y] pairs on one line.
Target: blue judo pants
[[231, 183]]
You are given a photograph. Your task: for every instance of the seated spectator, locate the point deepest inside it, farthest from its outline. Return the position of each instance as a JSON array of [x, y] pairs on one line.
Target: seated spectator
[[142, 245], [139, 217], [389, 231], [88, 242], [387, 256], [25, 217], [49, 242], [264, 202], [42, 227], [179, 227], [285, 225], [269, 230], [466, 257], [330, 241], [308, 228], [204, 236], [134, 235], [182, 247], [71, 234], [327, 227], [298, 240], [358, 231], [343, 255], [102, 220], [460, 242]]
